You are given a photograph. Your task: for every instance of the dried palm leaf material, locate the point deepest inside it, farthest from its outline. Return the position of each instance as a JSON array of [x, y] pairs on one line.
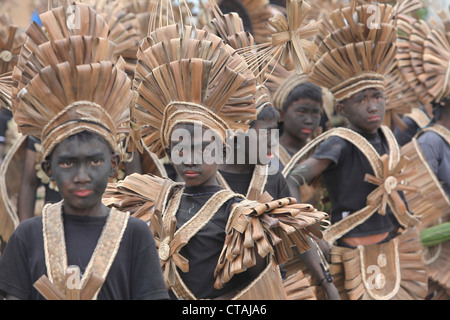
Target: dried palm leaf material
[[401, 271], [256, 15], [290, 44], [354, 51], [436, 64], [124, 28], [141, 195], [152, 14], [11, 41], [187, 75], [266, 228], [410, 60], [400, 99], [65, 81]]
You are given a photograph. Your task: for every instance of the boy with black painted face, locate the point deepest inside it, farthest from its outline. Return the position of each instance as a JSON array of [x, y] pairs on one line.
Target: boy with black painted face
[[189, 158], [301, 116]]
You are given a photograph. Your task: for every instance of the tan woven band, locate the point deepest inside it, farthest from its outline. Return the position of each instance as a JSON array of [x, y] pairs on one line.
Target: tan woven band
[[178, 112], [75, 118], [358, 83], [283, 91]]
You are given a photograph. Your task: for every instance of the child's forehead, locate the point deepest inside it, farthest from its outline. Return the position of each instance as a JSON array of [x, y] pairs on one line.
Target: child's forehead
[[194, 134], [82, 145]]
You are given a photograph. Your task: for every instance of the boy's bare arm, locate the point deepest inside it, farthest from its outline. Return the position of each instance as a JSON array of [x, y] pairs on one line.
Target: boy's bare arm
[[305, 172]]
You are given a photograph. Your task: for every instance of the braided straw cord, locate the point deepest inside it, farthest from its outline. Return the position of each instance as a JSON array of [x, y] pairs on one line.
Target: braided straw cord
[[442, 131]]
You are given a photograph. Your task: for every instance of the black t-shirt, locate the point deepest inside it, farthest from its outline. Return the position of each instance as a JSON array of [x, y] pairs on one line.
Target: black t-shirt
[[5, 116], [134, 275], [344, 180], [276, 184], [405, 136], [204, 249]]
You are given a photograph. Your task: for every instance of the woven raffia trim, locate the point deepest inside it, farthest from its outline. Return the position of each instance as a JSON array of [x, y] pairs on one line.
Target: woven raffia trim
[[55, 246], [353, 278], [257, 183]]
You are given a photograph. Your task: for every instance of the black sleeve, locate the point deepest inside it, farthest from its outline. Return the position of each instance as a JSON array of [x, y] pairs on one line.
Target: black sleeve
[[403, 137], [147, 279], [283, 187], [332, 149], [15, 277]]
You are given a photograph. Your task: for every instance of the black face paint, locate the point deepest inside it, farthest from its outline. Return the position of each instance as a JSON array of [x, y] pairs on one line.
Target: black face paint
[[302, 118], [81, 169], [365, 110]]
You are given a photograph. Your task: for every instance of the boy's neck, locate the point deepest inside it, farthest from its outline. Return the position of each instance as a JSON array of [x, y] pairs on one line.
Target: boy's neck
[[290, 143], [99, 210], [237, 168], [363, 132]]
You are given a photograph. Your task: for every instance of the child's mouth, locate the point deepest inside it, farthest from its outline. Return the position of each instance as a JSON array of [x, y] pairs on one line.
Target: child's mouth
[[306, 131], [83, 193], [191, 174], [373, 119]]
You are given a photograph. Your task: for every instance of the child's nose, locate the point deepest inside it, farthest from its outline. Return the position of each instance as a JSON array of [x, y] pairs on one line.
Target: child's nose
[[82, 175]]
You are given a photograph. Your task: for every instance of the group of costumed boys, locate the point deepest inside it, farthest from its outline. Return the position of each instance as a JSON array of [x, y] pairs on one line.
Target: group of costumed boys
[[221, 231]]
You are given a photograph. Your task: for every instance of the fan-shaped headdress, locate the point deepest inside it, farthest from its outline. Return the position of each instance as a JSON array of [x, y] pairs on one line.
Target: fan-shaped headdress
[[66, 81], [186, 75], [356, 49]]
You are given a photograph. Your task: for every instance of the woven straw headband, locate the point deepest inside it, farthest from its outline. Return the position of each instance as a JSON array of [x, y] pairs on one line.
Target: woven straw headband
[[75, 118], [356, 84], [179, 112]]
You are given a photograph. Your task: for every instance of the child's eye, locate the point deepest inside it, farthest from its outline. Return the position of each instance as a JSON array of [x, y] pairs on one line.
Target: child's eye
[[97, 162], [66, 164]]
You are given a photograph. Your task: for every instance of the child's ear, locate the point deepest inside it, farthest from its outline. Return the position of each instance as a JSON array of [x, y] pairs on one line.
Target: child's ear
[[46, 167], [115, 161], [340, 109]]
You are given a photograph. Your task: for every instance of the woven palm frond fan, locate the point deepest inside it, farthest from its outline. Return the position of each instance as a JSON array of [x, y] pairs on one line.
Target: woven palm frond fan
[[436, 57], [11, 41], [66, 81], [352, 54]]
